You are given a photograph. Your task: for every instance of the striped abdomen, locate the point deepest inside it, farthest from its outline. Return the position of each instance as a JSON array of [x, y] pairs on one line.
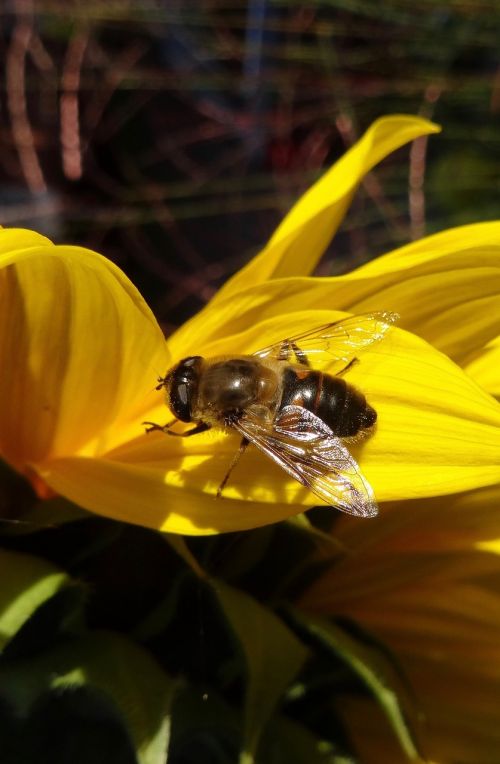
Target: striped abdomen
[[341, 406]]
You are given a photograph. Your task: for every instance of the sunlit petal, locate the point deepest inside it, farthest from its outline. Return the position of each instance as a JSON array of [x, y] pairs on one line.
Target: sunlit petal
[[158, 495], [446, 288], [79, 349]]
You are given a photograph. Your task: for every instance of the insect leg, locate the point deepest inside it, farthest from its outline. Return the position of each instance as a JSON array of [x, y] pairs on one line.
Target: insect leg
[[286, 349], [243, 444], [162, 427], [200, 427]]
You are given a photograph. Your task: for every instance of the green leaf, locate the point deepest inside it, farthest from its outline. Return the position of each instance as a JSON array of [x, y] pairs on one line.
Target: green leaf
[[27, 582], [58, 617], [124, 672], [373, 668], [273, 657]]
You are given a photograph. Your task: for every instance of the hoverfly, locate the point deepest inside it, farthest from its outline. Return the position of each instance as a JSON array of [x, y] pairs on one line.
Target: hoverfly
[[294, 413]]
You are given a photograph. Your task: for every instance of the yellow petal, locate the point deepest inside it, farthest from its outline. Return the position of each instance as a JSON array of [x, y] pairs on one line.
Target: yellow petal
[[446, 289], [16, 239], [301, 238], [158, 495], [483, 365], [79, 350], [437, 433]]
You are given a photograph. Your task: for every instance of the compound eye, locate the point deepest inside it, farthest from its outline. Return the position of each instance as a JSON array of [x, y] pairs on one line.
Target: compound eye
[[179, 402], [184, 387]]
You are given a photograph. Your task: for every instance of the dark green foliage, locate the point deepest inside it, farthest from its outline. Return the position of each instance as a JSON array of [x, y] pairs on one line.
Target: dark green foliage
[[86, 664]]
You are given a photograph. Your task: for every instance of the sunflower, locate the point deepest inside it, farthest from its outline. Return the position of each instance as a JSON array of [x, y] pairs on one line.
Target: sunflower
[[80, 352]]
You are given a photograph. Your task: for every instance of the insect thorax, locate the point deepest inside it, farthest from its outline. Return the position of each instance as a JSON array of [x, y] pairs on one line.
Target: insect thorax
[[229, 386]]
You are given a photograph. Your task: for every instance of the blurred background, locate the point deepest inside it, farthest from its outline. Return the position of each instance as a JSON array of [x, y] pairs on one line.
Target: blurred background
[[172, 136]]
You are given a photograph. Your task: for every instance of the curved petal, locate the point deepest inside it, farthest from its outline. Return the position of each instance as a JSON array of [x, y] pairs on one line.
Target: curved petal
[[79, 350], [446, 289], [446, 286], [300, 240], [303, 235], [15, 239], [434, 438]]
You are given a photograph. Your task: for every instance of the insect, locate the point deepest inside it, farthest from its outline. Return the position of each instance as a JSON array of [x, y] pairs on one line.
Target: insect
[[293, 412]]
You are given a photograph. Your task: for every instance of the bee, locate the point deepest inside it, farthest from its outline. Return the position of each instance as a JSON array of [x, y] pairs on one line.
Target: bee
[[278, 401]]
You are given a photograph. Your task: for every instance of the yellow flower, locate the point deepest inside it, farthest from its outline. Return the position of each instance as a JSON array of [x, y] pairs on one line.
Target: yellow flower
[[80, 353]]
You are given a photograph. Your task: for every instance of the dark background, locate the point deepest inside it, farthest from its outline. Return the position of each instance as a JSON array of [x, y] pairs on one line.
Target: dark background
[[172, 136]]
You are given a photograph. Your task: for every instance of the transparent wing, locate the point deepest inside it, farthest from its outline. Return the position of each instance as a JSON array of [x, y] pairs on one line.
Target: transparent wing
[[304, 446], [340, 340]]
